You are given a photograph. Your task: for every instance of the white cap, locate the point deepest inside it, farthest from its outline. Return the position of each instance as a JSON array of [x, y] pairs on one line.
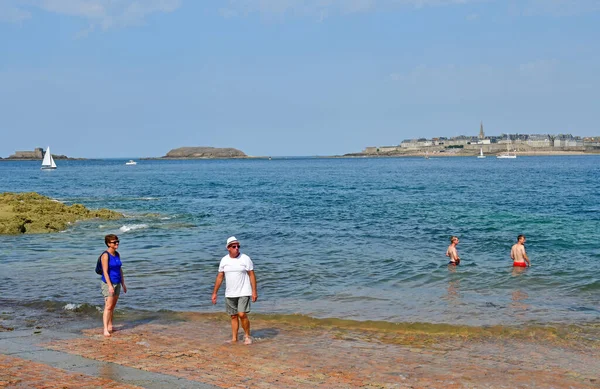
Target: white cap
[[231, 240]]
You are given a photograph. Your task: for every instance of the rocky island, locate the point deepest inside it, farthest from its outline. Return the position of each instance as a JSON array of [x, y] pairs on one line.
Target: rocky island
[[32, 213], [204, 153], [37, 153]]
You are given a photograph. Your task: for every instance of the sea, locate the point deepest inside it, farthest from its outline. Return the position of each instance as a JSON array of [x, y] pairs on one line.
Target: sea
[[353, 238]]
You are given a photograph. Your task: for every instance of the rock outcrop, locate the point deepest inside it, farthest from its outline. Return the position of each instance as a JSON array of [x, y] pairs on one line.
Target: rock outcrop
[[204, 152], [37, 153], [32, 213]]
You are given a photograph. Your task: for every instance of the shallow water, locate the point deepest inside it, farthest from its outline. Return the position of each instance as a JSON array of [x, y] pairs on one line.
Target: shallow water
[[349, 238]]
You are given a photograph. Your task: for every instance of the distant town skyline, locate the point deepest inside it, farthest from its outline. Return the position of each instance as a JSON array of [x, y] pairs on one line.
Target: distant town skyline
[[100, 78]]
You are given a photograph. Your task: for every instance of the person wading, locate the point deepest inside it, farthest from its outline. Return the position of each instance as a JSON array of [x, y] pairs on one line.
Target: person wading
[[112, 281], [240, 287]]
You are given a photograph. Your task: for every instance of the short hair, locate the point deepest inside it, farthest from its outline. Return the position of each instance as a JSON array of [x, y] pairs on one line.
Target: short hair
[[520, 236], [110, 237], [452, 238]]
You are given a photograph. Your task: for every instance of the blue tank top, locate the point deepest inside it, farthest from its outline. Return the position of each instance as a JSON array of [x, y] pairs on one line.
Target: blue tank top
[[114, 269]]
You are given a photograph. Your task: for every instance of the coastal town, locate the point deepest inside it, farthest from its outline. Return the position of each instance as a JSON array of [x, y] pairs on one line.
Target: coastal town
[[463, 145]]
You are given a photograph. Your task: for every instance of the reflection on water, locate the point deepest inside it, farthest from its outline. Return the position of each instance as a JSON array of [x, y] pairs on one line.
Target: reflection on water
[[518, 305], [453, 285]]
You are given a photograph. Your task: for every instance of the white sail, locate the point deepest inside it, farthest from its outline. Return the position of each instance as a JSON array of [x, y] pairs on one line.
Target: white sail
[[48, 162], [508, 154], [481, 153]]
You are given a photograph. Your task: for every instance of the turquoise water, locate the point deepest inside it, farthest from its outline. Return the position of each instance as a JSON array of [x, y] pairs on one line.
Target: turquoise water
[[350, 238]]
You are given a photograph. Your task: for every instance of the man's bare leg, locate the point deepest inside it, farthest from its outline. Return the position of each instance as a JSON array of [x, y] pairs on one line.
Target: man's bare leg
[[235, 326], [246, 327]]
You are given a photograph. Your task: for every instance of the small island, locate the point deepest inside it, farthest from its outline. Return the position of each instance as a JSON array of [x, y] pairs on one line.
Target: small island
[[204, 153], [36, 154], [32, 213]]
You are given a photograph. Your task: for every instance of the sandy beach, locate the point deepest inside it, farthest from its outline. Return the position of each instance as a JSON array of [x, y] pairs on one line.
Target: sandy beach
[[190, 350]]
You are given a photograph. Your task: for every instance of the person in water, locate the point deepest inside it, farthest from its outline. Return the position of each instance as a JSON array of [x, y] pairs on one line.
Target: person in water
[[240, 287], [452, 253], [518, 254], [112, 280]]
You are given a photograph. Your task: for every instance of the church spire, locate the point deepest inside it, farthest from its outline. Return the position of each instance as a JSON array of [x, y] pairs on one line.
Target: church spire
[[481, 134]]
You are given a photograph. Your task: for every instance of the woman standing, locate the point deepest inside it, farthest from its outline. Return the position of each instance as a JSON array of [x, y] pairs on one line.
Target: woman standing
[[112, 280]]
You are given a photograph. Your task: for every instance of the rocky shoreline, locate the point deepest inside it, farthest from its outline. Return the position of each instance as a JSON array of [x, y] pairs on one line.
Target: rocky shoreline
[[32, 213], [188, 349]]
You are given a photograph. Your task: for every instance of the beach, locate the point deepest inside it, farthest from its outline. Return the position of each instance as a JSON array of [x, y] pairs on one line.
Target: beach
[[354, 288], [290, 351]]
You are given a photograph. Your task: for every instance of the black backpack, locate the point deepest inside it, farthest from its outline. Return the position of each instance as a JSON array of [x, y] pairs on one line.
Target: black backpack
[[99, 263]]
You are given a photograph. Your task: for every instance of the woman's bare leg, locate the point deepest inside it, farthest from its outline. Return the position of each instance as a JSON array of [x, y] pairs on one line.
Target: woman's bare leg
[[107, 316]]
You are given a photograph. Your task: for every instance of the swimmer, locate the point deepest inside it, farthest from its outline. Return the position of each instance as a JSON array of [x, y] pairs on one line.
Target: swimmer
[[452, 253], [518, 254]]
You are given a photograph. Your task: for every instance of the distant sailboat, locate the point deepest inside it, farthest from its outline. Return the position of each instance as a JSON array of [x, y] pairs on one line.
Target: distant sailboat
[[48, 162], [427, 155], [481, 153], [508, 154]]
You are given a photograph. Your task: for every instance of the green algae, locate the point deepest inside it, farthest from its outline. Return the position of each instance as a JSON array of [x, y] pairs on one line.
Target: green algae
[[32, 213], [416, 334]]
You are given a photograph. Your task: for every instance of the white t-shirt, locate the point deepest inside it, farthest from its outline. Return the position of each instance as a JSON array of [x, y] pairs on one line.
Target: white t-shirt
[[237, 280]]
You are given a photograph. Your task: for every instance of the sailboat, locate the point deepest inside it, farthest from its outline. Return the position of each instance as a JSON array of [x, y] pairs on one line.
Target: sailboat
[[481, 153], [508, 154], [48, 162]]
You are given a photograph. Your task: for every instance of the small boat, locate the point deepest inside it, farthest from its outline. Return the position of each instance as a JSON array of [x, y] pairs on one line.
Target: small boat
[[48, 162], [481, 153], [131, 162], [508, 154], [427, 155]]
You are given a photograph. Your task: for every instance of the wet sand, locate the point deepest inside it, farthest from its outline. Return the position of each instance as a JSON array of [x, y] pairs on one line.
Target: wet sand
[[298, 352]]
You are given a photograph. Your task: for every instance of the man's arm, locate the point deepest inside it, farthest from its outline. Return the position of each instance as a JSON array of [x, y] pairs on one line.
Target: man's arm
[[525, 257], [512, 253], [218, 283], [253, 283]]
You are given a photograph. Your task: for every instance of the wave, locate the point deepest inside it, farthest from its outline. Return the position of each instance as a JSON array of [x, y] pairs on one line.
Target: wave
[[82, 308], [133, 227]]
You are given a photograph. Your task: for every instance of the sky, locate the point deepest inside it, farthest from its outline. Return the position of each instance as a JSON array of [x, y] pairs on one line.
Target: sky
[[137, 78]]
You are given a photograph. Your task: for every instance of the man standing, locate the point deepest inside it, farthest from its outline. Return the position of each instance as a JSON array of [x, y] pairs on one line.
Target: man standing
[[240, 286], [518, 254], [452, 252]]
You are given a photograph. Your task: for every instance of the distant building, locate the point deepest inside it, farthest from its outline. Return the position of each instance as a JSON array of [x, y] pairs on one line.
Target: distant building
[[481, 133], [539, 140], [567, 140]]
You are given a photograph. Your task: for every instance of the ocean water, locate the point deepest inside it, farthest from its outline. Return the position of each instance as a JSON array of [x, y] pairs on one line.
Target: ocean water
[[359, 239]]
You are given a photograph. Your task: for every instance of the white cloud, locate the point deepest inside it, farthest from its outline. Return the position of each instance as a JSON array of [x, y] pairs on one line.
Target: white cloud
[[323, 8], [560, 7], [12, 14], [102, 14]]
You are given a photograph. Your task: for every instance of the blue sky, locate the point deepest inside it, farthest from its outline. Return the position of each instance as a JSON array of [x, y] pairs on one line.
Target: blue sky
[[125, 78]]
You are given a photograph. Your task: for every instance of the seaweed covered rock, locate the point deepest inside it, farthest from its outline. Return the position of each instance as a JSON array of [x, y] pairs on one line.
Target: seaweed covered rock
[[32, 213]]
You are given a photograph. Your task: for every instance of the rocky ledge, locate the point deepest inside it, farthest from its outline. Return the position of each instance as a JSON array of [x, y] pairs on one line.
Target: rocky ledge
[[204, 152], [37, 153], [32, 213]]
